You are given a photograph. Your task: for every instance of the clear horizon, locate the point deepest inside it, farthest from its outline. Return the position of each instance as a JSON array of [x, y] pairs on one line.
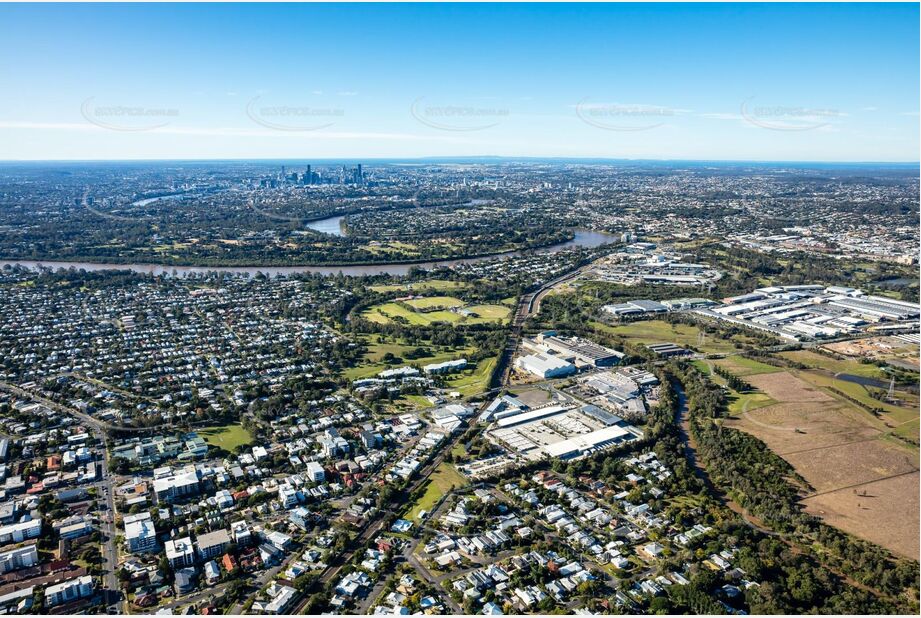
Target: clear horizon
[[827, 83], [465, 159]]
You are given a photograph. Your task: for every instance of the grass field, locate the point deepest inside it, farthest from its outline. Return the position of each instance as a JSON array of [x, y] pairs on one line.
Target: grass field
[[657, 331], [372, 363], [226, 437], [490, 312], [427, 302], [741, 366], [386, 312], [820, 361], [895, 414], [443, 479], [738, 402], [475, 381], [437, 285]]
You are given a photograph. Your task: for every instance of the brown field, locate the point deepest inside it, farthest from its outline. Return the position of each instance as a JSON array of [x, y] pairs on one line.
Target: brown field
[[884, 512], [782, 386], [847, 465], [840, 449], [793, 427]]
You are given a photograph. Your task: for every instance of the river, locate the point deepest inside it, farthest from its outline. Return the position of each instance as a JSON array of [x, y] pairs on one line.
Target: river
[[151, 200], [583, 238], [331, 225]]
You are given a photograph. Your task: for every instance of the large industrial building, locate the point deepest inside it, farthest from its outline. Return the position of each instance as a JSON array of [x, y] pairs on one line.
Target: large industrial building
[[639, 264], [545, 366], [804, 312], [635, 308], [623, 391], [555, 356], [563, 430], [578, 351]]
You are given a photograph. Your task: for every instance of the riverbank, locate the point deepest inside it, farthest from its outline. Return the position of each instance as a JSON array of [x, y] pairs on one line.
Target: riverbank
[[581, 238]]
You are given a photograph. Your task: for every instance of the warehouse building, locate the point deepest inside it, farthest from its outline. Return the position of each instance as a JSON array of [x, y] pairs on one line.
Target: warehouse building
[[579, 351], [808, 312], [532, 415], [545, 366], [635, 308], [586, 444], [667, 350]]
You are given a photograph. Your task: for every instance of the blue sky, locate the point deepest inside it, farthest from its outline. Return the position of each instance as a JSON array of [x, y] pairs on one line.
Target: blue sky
[[816, 82]]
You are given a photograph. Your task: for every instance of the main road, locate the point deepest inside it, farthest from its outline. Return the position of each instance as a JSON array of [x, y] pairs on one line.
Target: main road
[[107, 522]]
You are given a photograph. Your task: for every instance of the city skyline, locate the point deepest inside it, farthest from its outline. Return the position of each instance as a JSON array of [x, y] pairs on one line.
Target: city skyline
[[740, 82]]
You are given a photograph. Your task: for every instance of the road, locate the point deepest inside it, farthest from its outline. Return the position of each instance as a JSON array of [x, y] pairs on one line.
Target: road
[[373, 526], [111, 586], [86, 418], [528, 305]]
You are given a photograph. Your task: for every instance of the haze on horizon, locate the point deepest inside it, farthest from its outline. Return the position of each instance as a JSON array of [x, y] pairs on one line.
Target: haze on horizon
[[715, 82]]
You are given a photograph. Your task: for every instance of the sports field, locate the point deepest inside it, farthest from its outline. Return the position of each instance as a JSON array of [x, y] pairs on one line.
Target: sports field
[[427, 310], [226, 437], [372, 363]]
